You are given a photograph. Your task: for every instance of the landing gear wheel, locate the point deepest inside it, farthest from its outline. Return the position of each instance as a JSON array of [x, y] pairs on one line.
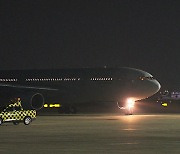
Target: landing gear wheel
[[67, 109], [129, 111], [27, 120], [1, 121], [73, 110]]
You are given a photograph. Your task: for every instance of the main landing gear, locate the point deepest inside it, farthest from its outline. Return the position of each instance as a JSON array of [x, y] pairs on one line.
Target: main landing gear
[[68, 109]]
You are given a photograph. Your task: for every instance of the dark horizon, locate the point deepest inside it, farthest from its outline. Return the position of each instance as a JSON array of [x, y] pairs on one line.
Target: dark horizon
[[76, 34]]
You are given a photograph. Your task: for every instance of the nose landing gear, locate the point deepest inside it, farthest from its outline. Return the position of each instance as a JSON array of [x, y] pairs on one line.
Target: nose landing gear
[[128, 108], [129, 111]]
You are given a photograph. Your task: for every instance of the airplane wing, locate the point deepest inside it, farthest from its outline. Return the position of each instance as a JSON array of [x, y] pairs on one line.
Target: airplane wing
[[27, 87], [31, 96]]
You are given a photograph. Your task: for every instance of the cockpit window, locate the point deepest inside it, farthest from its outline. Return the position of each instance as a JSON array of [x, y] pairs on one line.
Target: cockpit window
[[146, 78]]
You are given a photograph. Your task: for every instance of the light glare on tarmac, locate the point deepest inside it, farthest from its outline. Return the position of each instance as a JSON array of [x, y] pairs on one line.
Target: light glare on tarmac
[[93, 134]]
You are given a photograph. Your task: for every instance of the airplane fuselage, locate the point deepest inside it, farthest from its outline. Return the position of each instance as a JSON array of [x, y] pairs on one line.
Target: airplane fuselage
[[81, 85]]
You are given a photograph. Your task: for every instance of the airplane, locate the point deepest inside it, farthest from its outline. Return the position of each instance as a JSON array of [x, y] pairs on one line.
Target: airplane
[[166, 97], [122, 85]]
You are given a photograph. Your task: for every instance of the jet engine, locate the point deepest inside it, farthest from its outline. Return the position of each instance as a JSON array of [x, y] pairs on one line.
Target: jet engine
[[32, 101]]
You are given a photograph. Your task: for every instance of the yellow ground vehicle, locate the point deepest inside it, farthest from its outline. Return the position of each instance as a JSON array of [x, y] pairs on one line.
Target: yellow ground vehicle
[[16, 114]]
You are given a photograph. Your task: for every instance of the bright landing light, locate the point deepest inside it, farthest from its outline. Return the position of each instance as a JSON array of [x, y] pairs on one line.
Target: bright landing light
[[130, 102]]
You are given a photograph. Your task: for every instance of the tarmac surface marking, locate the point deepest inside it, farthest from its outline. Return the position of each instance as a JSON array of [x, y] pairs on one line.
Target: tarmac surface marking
[[103, 133]]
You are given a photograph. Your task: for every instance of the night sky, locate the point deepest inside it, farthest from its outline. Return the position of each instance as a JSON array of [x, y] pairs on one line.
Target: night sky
[[144, 34]]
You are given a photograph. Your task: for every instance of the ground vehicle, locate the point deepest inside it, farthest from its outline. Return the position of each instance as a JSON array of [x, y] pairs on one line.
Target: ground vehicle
[[16, 114]]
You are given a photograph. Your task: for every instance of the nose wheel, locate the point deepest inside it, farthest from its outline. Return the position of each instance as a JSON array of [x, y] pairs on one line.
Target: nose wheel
[[129, 111], [128, 108]]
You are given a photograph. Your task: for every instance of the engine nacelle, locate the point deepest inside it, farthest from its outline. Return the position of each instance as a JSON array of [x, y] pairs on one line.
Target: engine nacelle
[[32, 101]]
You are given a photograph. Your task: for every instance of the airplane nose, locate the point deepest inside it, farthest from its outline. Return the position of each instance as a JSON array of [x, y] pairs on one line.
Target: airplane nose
[[152, 85], [150, 88], [145, 85], [156, 86]]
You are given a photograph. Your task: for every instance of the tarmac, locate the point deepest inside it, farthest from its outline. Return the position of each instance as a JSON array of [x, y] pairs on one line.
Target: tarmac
[[93, 134]]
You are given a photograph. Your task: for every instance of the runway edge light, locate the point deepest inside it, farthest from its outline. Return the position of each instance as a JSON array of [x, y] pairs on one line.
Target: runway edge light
[[45, 105], [164, 104]]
